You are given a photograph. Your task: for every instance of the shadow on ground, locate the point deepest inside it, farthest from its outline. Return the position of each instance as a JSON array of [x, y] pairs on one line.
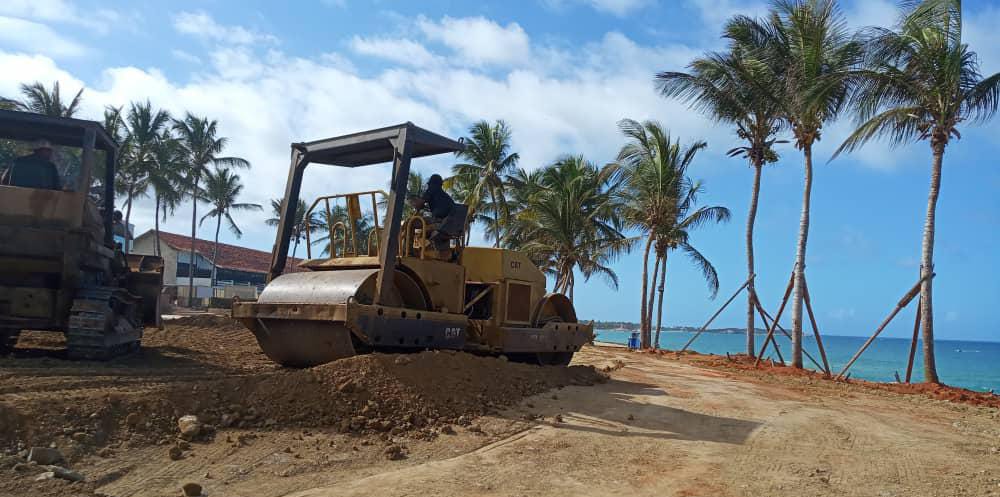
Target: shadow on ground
[[620, 400]]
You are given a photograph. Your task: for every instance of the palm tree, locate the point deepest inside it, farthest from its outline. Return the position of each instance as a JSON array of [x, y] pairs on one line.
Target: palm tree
[[659, 199], [736, 89], [573, 223], [143, 127], [487, 151], [676, 234], [114, 124], [808, 43], [521, 187], [166, 180], [200, 147], [919, 83], [40, 100], [222, 190], [300, 226]]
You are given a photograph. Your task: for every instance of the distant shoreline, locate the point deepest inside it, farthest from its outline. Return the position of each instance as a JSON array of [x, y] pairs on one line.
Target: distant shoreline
[[685, 329], [807, 336]]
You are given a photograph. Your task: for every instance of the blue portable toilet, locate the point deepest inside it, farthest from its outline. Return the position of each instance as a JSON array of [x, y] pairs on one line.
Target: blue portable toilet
[[633, 341]]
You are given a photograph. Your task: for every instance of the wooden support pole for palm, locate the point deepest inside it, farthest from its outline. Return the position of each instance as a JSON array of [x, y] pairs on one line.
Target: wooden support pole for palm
[[913, 344], [705, 326], [774, 323], [765, 318], [899, 306], [819, 339], [789, 336]]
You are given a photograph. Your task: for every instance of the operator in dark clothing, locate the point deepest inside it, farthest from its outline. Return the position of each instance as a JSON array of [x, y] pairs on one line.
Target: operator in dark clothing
[[435, 199], [441, 206], [35, 170]]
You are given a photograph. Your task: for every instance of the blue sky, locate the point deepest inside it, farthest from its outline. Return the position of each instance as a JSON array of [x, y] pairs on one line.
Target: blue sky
[[562, 73]]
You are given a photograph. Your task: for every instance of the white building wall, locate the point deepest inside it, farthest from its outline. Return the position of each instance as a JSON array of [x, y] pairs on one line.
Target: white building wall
[[146, 245]]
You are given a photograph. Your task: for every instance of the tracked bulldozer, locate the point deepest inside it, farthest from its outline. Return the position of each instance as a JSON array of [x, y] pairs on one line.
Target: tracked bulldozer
[[408, 285], [60, 267]]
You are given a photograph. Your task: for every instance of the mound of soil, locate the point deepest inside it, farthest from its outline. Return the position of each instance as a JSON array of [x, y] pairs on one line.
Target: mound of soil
[[364, 394], [218, 374], [212, 321]]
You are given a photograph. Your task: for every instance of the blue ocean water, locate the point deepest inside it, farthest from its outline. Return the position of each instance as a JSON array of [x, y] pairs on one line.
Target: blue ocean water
[[972, 365]]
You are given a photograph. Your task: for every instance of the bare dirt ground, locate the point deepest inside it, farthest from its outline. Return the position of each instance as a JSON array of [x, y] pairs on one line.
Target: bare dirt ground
[[453, 424]]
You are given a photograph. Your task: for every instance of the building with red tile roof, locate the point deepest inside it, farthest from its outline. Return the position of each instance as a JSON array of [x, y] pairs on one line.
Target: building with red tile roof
[[235, 265]]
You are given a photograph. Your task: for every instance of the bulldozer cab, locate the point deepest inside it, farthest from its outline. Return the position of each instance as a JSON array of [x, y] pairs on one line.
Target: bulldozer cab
[[60, 269], [68, 202]]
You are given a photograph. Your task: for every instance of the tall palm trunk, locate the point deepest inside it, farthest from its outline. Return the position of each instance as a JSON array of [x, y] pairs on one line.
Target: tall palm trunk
[[659, 305], [927, 265], [800, 262], [128, 216], [156, 226], [652, 297], [215, 250], [751, 292], [643, 331], [496, 217], [194, 227]]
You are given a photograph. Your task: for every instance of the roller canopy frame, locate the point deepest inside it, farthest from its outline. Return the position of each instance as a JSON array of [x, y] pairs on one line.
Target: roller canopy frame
[[397, 144]]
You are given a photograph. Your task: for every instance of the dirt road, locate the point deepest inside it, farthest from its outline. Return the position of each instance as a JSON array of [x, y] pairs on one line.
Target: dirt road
[[657, 427], [662, 427]]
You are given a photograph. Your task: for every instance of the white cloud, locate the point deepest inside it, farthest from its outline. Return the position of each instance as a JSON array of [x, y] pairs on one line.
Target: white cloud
[[264, 100], [101, 20], [202, 25], [399, 50], [29, 36], [27, 68], [983, 37], [480, 41], [715, 13], [183, 56], [47, 10], [620, 8], [865, 13]]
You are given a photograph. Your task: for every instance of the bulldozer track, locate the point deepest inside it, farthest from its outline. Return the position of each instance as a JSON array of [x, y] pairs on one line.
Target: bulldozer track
[[103, 324]]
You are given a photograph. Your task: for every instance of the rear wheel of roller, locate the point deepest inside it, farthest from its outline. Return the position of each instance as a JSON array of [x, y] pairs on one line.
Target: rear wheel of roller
[[551, 358]]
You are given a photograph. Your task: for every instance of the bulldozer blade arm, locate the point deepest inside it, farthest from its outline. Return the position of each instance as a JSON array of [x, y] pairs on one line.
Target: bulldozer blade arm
[[145, 280], [301, 343]]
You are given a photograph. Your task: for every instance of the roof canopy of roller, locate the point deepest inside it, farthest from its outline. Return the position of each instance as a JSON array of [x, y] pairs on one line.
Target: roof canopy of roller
[[376, 146]]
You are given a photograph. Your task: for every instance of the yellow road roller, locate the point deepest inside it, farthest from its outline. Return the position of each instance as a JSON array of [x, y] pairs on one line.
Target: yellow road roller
[[410, 284]]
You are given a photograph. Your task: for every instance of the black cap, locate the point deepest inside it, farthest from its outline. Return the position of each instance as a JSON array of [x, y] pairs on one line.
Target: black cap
[[435, 179]]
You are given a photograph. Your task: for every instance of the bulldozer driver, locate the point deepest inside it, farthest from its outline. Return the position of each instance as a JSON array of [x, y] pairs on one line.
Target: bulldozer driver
[[442, 208], [34, 171]]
